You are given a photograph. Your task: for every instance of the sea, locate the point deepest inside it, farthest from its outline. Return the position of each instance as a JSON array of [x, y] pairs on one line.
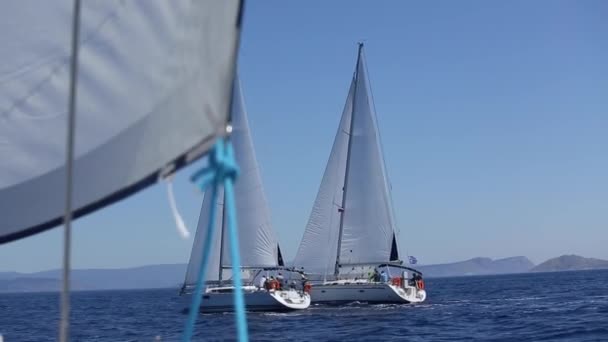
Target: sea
[[564, 306]]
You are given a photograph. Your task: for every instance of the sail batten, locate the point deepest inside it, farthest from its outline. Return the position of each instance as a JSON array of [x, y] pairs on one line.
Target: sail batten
[[153, 91], [363, 201]]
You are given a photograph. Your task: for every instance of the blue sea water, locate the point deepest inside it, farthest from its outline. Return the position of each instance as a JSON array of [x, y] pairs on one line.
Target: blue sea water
[[567, 306]]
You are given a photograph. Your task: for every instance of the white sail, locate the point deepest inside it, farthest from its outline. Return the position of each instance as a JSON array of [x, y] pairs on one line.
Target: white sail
[[355, 187], [153, 90], [196, 255], [257, 241], [318, 248], [368, 225]]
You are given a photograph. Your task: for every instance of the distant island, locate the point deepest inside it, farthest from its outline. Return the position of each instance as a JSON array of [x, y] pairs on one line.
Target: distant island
[[172, 275], [144, 277], [477, 266], [570, 263]]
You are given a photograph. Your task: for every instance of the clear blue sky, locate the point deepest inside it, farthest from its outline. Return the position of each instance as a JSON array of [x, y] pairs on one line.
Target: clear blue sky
[[493, 115]]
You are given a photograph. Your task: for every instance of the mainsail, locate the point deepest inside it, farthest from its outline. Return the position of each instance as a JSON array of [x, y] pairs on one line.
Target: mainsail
[[257, 241], [352, 219], [153, 92]]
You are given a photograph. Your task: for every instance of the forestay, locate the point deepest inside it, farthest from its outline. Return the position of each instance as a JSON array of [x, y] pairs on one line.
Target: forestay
[[354, 186], [153, 91], [257, 241]]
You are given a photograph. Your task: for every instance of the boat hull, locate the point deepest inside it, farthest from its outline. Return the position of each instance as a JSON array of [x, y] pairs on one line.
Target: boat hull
[[259, 300], [376, 293]]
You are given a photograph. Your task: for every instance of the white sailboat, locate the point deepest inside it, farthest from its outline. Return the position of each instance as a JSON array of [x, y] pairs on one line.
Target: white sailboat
[[258, 245], [351, 231]]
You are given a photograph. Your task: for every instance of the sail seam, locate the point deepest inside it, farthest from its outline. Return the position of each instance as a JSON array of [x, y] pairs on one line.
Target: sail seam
[[66, 60]]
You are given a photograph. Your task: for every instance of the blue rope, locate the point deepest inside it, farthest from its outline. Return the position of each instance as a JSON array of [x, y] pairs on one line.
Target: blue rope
[[222, 169], [235, 254], [197, 295]]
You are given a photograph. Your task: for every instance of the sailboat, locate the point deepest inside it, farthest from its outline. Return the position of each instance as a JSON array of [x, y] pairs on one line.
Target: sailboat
[[351, 236], [258, 247]]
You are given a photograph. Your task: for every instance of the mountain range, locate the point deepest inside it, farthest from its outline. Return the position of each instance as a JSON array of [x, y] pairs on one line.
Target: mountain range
[[144, 277], [570, 263], [478, 266], [172, 275]]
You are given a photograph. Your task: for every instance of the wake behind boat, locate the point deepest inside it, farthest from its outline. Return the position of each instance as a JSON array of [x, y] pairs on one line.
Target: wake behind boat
[[258, 244], [351, 231]]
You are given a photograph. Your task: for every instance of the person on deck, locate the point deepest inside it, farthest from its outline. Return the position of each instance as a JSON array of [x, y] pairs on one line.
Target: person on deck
[[281, 280], [303, 280], [415, 278], [262, 283], [376, 276], [270, 284], [383, 277]]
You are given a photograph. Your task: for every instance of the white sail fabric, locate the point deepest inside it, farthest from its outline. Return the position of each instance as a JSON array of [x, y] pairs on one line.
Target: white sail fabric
[[318, 248], [196, 255], [257, 241], [368, 223], [153, 90]]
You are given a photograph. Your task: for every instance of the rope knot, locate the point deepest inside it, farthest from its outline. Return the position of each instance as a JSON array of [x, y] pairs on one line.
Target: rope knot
[[222, 165]]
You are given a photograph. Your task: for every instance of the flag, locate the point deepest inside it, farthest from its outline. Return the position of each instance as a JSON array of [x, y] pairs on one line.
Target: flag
[[413, 260]]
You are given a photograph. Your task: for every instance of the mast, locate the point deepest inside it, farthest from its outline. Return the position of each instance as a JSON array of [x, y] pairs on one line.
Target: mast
[[222, 238], [348, 152]]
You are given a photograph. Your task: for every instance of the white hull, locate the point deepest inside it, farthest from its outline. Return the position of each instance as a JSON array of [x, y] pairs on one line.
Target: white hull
[[345, 291], [255, 300]]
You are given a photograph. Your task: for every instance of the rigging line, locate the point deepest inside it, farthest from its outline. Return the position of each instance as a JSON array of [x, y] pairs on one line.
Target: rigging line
[[222, 236], [239, 300], [64, 325], [222, 169], [197, 294]]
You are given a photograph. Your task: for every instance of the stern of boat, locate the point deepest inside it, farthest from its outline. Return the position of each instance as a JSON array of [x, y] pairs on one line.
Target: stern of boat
[[292, 299], [411, 294]]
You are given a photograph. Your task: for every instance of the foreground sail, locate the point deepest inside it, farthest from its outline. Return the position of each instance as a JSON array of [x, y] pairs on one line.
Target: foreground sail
[[351, 231], [152, 95], [258, 244]]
